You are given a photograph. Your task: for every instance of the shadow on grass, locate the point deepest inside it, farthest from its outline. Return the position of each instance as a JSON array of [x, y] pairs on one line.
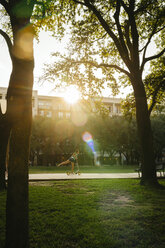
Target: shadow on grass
[[116, 213]]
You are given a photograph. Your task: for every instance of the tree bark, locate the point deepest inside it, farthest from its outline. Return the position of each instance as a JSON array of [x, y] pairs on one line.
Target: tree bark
[[19, 115], [145, 134], [20, 112]]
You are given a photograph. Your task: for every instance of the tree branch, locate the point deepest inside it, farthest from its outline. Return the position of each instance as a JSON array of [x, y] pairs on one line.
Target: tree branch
[[106, 27], [148, 42], [154, 56], [121, 38], [124, 6], [115, 67], [134, 32], [8, 41], [101, 65], [79, 2], [143, 7], [151, 37], [129, 44]]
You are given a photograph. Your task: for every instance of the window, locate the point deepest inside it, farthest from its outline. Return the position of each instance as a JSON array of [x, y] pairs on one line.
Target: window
[[67, 107], [110, 108], [60, 115], [60, 106], [44, 104], [41, 112], [49, 114], [68, 115], [117, 108], [41, 103], [33, 103]]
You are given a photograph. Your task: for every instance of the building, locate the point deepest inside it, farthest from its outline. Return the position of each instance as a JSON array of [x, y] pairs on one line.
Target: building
[[3, 99], [57, 107]]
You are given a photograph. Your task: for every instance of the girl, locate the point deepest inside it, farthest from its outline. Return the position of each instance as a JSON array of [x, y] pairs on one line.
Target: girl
[[73, 159]]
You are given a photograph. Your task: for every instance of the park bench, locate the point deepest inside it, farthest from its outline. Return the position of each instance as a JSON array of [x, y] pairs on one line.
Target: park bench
[[160, 167]]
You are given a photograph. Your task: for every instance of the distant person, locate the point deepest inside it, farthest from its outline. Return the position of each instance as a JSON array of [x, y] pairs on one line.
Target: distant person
[[73, 159]]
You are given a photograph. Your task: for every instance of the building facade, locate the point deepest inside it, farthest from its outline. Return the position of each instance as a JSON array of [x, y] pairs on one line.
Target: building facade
[[56, 107]]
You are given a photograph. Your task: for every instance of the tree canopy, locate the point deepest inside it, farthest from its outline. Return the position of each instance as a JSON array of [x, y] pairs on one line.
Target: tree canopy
[[105, 37], [115, 36]]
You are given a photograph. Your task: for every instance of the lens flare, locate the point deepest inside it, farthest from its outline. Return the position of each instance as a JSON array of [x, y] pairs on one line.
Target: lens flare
[[79, 118], [87, 137], [23, 47]]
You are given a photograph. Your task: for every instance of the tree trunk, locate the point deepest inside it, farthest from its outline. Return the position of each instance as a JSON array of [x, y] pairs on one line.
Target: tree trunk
[[145, 134], [19, 110], [19, 113], [17, 193]]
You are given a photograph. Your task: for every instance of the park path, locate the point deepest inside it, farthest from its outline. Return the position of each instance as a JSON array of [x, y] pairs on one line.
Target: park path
[[64, 176]]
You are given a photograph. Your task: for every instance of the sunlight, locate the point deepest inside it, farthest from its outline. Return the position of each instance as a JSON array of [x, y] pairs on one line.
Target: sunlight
[[71, 95]]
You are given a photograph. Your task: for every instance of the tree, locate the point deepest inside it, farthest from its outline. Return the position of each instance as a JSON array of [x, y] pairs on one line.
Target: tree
[[17, 120], [115, 36], [52, 138], [16, 123], [115, 135], [155, 83]]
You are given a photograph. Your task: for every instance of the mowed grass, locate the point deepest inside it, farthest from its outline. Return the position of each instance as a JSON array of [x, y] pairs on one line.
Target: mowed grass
[[110, 213], [84, 169]]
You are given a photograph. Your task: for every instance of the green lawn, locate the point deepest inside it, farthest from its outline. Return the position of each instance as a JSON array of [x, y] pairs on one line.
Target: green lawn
[[111, 213], [84, 169]]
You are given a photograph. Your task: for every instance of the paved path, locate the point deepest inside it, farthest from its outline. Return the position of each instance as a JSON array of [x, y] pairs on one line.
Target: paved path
[[64, 176]]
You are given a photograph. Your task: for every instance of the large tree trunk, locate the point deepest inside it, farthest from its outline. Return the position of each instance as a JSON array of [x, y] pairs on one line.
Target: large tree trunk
[[145, 134], [17, 193], [20, 12], [19, 111]]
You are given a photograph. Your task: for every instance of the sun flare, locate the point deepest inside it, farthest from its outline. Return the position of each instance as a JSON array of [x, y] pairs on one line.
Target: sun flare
[[71, 95]]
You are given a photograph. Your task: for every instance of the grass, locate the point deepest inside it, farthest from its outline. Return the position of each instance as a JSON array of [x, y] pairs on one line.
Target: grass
[[115, 213], [84, 169]]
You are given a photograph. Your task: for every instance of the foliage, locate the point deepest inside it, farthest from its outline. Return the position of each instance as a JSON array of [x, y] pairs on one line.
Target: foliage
[[155, 83], [50, 137], [115, 136], [129, 106], [102, 42], [155, 90], [111, 135], [40, 18], [158, 123]]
